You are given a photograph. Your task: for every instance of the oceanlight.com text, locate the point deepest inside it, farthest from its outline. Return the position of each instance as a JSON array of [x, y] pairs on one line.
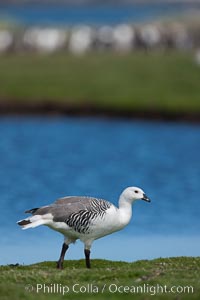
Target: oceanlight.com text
[[112, 288]]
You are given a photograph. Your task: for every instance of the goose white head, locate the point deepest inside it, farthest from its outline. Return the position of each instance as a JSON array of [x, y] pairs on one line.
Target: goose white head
[[133, 193]]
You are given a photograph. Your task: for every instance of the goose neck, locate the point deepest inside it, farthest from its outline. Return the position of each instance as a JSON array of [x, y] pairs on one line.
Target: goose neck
[[125, 210]]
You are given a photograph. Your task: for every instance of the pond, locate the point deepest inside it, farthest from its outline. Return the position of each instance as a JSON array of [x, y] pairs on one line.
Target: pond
[[34, 14], [45, 158]]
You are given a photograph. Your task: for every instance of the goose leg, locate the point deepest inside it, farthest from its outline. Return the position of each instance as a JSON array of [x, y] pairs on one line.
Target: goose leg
[[87, 258], [62, 255]]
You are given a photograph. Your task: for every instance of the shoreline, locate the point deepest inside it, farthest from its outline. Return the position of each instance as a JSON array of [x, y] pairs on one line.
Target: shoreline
[[48, 108]]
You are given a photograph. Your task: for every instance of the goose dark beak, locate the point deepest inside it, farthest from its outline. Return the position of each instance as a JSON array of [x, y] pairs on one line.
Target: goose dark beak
[[145, 198]]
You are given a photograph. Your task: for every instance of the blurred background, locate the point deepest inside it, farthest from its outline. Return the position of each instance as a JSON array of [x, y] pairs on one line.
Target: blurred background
[[95, 97]]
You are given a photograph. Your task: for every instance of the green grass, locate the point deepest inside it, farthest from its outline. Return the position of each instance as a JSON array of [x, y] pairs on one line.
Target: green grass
[[138, 81], [21, 282]]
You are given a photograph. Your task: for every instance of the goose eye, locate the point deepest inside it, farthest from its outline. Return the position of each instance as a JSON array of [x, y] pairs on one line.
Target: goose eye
[[136, 192]]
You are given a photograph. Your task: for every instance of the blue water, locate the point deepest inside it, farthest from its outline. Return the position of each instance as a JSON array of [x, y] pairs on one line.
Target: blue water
[[70, 15], [42, 159]]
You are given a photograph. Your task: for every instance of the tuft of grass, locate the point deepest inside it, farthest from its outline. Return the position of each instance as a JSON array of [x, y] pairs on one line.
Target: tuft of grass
[[106, 279], [137, 81]]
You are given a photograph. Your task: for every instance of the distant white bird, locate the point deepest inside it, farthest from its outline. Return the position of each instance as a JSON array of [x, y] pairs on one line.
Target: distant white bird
[[6, 40], [81, 39], [84, 218], [46, 40]]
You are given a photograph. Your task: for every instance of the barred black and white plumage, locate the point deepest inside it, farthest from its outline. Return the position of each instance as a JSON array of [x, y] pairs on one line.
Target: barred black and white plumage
[[81, 220], [84, 218]]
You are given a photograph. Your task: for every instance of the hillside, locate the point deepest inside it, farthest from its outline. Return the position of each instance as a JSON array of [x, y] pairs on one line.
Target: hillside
[[167, 278]]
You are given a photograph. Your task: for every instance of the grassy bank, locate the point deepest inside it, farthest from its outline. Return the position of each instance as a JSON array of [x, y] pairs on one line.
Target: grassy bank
[[28, 282], [135, 82]]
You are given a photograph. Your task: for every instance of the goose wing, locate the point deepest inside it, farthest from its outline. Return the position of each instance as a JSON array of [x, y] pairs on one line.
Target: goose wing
[[64, 208]]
